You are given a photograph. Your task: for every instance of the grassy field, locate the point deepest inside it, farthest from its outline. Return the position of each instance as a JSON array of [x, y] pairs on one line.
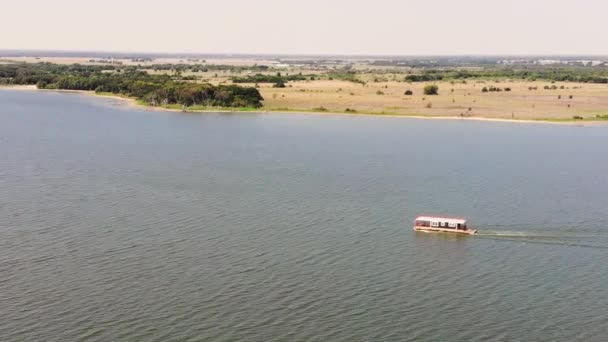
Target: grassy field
[[384, 87], [584, 100]]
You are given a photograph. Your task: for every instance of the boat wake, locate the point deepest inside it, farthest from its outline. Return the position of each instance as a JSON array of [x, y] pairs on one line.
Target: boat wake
[[505, 234], [522, 234], [562, 238]]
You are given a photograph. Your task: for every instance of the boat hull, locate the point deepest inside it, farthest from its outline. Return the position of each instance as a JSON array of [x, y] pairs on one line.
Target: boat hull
[[445, 230]]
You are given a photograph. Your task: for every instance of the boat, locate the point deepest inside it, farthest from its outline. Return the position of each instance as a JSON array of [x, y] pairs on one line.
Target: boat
[[437, 224]]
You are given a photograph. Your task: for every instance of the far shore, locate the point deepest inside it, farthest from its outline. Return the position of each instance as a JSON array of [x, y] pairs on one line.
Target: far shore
[[133, 103]]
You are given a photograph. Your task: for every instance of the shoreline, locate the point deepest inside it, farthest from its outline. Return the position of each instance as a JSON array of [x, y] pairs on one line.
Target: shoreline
[[133, 103]]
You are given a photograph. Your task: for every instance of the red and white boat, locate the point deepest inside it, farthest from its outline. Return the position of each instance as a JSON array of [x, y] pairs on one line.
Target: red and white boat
[[442, 225]]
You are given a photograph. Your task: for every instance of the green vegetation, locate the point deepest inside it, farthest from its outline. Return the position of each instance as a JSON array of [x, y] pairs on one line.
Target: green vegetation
[[156, 90], [427, 76], [279, 84], [22, 73], [349, 76], [566, 74], [431, 89]]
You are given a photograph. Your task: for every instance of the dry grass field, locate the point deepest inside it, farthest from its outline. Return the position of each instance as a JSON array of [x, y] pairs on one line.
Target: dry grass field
[[384, 91], [577, 99]]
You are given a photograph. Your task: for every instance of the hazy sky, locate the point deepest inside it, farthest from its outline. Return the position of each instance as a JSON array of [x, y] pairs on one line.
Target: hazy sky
[[404, 27]]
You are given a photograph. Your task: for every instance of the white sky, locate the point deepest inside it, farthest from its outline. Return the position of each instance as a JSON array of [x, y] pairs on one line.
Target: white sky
[[392, 27]]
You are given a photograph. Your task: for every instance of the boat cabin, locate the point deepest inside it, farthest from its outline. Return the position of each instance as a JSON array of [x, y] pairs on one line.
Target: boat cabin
[[442, 224]]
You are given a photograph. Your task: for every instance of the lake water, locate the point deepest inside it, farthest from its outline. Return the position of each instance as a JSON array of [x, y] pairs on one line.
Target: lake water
[[126, 225]]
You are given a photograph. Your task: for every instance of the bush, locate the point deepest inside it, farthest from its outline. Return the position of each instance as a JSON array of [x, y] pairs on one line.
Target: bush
[[491, 89], [576, 117], [507, 89], [349, 110], [279, 84], [379, 92], [424, 77], [431, 89], [320, 109], [408, 92]]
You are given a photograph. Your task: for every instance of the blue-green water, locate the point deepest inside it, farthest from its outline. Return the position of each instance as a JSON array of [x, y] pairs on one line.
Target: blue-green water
[[125, 225]]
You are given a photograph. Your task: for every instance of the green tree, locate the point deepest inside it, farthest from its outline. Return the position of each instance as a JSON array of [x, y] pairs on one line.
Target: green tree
[[431, 89]]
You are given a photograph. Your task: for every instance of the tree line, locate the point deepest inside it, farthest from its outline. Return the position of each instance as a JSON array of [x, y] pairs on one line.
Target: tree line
[[201, 67], [348, 75], [582, 75], [156, 90], [261, 78]]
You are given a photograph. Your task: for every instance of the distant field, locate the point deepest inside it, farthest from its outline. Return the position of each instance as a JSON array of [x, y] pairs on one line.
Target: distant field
[[86, 60]]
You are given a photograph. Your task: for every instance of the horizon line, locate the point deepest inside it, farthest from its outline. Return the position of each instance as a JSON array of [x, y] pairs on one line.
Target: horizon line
[[270, 54]]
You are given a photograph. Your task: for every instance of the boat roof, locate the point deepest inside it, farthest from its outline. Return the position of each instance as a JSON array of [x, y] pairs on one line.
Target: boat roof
[[441, 219]]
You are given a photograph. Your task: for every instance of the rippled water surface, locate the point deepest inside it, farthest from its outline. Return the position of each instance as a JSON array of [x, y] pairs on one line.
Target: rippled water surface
[[126, 225]]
